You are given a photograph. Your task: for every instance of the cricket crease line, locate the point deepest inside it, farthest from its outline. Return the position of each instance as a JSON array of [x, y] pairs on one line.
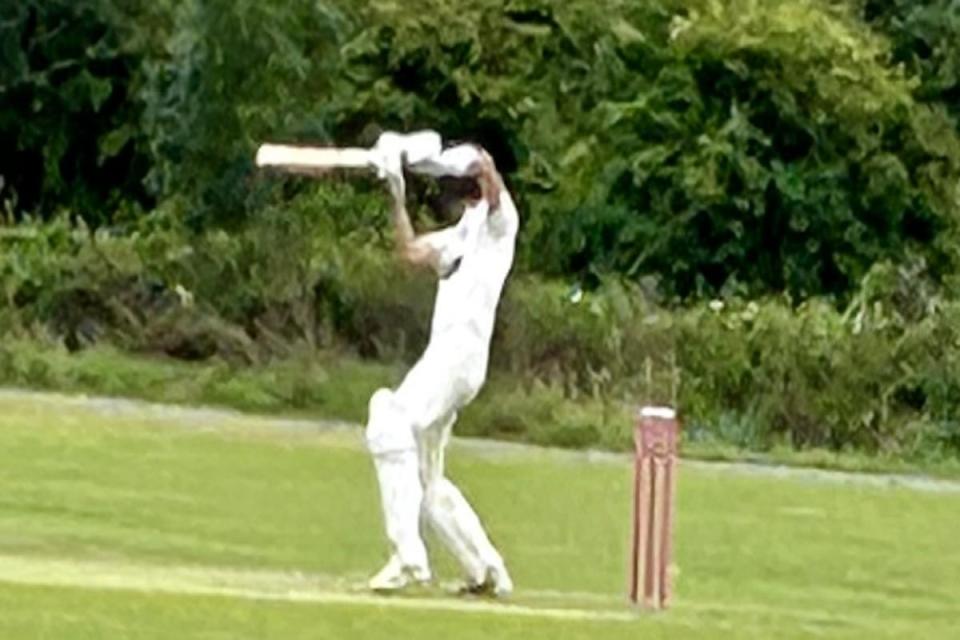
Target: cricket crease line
[[281, 586], [803, 610], [261, 586]]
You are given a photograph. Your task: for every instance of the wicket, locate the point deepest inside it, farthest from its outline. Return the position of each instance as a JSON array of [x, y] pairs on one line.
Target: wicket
[[655, 436]]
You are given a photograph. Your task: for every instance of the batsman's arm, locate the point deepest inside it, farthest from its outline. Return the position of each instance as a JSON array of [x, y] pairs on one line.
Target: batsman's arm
[[502, 217], [404, 235], [490, 180]]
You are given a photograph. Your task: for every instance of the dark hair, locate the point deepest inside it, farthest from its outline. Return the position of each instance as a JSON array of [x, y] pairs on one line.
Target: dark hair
[[462, 187], [452, 191]]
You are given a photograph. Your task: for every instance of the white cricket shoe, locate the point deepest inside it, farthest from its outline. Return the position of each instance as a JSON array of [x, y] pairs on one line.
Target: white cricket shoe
[[395, 577], [496, 582], [502, 584]]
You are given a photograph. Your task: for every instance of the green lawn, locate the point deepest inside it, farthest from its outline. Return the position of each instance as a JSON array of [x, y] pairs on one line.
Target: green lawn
[[129, 526]]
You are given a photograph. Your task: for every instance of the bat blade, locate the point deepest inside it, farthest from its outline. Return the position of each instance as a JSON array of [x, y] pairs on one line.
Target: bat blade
[[312, 159]]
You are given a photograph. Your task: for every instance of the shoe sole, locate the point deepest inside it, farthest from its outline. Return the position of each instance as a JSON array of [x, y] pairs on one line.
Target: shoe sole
[[489, 588]]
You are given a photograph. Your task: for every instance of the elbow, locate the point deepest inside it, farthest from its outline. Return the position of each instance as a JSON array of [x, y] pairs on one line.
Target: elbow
[[405, 253], [416, 255]]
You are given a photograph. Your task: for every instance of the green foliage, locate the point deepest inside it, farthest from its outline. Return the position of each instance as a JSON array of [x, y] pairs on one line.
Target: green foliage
[[68, 115], [319, 381], [878, 377], [925, 37], [746, 146], [798, 160], [233, 74], [161, 287]]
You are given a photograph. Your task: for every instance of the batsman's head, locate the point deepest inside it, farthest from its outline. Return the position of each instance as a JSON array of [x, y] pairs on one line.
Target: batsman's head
[[451, 194]]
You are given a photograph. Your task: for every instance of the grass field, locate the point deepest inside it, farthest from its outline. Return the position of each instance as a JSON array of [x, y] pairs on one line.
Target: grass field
[[147, 525]]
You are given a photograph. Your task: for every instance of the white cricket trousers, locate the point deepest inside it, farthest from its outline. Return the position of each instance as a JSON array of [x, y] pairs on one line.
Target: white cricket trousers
[[407, 433]]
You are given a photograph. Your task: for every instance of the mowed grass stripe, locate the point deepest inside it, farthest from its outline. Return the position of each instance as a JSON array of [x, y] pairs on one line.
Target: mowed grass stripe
[[58, 572], [329, 590]]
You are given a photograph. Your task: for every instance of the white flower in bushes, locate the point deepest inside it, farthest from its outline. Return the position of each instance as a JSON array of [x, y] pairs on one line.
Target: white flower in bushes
[[185, 296], [576, 294]]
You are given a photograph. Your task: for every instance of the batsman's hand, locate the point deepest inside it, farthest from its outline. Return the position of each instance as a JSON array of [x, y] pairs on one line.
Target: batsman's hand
[[387, 157]]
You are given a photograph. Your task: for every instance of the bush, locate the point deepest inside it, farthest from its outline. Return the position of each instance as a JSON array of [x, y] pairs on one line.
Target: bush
[[162, 287], [925, 37], [879, 376]]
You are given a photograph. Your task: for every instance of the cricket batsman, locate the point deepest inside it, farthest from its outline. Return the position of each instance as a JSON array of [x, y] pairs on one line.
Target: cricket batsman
[[408, 428]]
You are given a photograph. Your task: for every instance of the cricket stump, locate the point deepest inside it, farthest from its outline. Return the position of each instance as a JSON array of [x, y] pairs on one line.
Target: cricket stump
[[655, 437]]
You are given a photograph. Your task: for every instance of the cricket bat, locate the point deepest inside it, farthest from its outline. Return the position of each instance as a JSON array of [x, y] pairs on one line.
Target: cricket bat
[[422, 152]]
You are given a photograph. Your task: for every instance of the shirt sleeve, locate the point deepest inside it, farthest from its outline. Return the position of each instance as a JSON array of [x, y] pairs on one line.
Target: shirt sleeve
[[449, 245]]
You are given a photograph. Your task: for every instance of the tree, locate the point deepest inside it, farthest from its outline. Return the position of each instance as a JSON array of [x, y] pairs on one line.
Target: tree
[[235, 73], [758, 146], [67, 111]]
